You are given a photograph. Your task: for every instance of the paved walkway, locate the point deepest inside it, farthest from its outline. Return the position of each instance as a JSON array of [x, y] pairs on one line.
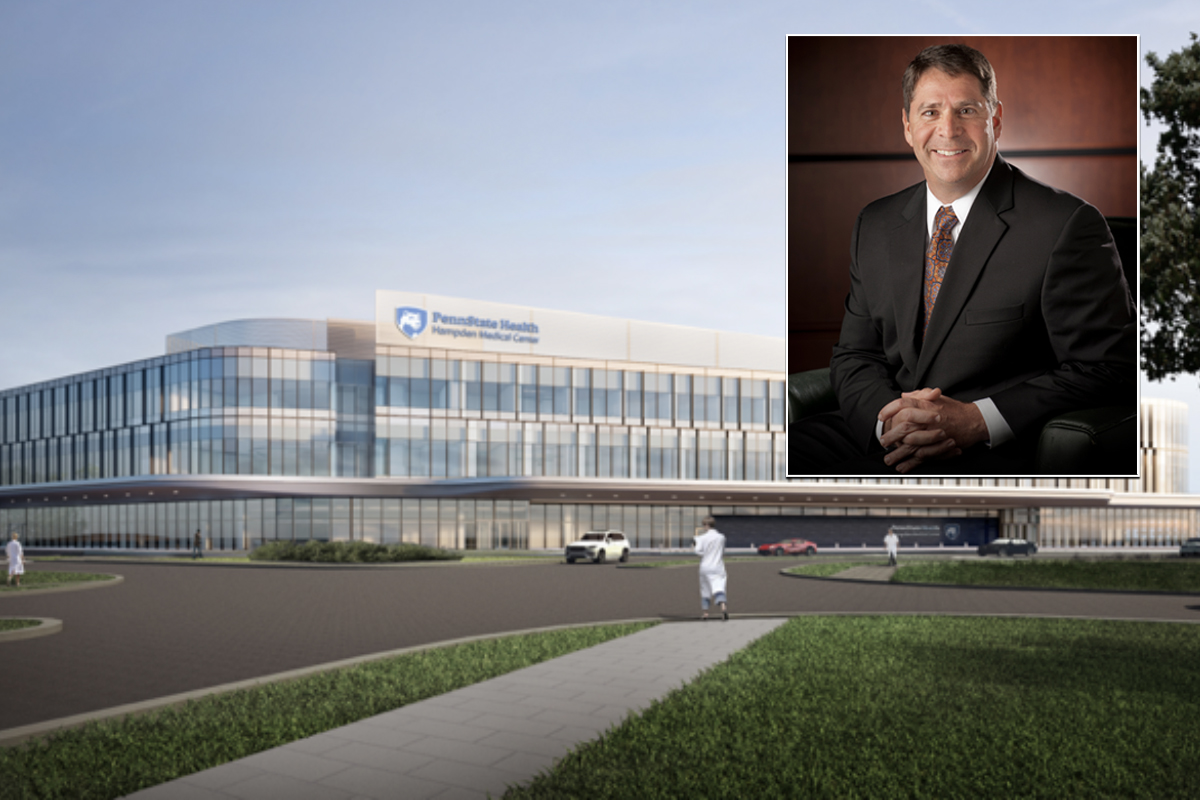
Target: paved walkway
[[478, 740]]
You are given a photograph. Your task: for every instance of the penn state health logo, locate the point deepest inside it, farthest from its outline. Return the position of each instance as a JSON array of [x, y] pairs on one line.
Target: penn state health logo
[[412, 321]]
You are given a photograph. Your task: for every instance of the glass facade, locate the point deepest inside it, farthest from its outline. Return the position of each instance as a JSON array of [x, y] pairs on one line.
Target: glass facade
[[265, 411], [220, 411], [361, 411], [445, 416]]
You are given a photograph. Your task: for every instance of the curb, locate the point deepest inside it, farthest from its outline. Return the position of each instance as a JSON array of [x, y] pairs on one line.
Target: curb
[[45, 627]]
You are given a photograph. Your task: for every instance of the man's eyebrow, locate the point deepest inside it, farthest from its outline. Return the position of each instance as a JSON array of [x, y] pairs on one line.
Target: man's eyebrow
[[960, 104]]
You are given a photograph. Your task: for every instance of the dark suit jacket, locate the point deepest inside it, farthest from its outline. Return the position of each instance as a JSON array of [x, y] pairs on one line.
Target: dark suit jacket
[[1034, 311]]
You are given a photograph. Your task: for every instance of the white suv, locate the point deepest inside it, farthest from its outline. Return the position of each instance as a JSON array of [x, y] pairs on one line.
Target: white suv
[[599, 546]]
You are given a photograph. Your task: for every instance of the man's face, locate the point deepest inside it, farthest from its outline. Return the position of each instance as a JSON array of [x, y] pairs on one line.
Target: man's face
[[952, 132]]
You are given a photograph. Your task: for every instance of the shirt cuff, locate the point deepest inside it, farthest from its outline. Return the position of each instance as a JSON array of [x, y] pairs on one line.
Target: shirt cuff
[[998, 430]]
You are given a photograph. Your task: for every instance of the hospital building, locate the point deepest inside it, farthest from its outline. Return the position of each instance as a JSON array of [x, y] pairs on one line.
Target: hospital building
[[471, 424]]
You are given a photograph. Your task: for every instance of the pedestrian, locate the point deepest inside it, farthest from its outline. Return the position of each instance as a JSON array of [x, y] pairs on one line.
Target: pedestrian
[[16, 560], [710, 546], [196, 545], [892, 541]]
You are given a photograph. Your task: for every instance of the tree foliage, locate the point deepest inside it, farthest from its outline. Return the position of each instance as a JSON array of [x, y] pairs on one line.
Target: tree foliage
[[1170, 280]]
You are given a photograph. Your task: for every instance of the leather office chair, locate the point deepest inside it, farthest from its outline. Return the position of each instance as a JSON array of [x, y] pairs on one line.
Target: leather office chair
[[1094, 441]]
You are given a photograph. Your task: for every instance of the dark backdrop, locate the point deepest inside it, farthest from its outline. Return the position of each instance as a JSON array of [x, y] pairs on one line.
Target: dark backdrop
[[1070, 120]]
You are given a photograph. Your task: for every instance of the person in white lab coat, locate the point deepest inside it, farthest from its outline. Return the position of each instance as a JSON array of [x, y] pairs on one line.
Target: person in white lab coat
[[16, 560], [710, 546], [892, 541]]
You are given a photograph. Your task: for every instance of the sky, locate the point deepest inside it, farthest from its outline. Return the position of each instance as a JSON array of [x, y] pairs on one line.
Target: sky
[[170, 165]]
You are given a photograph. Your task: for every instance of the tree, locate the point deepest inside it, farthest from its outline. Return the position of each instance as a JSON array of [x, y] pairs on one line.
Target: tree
[[1170, 280]]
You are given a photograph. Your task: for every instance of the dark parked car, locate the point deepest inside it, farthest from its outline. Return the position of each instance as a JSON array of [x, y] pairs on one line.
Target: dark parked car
[[790, 547], [1190, 548], [1007, 547]]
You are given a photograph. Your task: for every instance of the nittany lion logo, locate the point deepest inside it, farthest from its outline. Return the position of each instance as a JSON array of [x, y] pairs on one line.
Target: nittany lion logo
[[951, 532], [412, 321]]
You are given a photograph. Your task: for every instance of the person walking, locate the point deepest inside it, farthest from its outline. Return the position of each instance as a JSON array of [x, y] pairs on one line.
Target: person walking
[[16, 560], [196, 545], [892, 541], [710, 546]]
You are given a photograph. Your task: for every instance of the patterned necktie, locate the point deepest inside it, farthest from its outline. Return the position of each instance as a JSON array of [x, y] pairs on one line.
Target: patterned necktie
[[936, 259]]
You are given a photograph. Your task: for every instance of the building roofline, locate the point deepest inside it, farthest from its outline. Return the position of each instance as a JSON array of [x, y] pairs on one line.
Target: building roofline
[[173, 488]]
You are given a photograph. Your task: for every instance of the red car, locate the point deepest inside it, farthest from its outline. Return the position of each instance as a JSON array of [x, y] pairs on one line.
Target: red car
[[789, 547]]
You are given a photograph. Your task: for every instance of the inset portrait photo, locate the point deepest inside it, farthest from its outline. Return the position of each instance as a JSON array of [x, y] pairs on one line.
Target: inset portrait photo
[[962, 255]]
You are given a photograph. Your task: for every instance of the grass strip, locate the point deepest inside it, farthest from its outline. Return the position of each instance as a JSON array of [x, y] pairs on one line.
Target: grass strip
[[884, 707], [1155, 576], [114, 758], [44, 580], [17, 624]]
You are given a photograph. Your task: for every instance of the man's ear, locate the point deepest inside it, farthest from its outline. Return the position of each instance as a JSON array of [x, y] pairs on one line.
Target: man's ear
[[907, 127]]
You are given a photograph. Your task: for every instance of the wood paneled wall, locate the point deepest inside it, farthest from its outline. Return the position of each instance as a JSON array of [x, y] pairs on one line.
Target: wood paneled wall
[[1070, 120]]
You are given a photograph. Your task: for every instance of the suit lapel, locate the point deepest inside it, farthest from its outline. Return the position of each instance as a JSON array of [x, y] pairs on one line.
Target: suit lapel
[[976, 241], [907, 275]]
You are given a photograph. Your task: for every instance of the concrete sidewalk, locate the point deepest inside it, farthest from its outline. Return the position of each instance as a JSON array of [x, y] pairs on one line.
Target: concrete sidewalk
[[478, 740]]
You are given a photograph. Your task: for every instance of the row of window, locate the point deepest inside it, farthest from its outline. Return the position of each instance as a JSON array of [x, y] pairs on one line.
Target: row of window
[[403, 447], [462, 448], [577, 394], [186, 389], [146, 394]]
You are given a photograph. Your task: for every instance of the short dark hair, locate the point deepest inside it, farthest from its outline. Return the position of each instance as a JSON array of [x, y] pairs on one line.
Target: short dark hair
[[954, 60]]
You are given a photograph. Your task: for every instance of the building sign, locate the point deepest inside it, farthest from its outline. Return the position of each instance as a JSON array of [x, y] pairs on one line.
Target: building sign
[[412, 321], [497, 330], [407, 319]]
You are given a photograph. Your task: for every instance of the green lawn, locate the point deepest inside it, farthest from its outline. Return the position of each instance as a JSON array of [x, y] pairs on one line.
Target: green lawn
[[937, 707], [1157, 575], [115, 758], [45, 580]]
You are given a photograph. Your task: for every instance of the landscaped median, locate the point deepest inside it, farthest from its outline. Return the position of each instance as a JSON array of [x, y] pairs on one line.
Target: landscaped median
[[114, 758], [883, 707], [1162, 575], [13, 629], [39, 579], [1108, 574], [9, 624]]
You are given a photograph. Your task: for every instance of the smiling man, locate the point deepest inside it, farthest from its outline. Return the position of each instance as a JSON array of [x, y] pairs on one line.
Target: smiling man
[[981, 302]]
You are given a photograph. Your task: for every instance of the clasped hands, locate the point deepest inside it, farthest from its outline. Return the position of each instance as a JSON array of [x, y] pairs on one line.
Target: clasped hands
[[925, 425]]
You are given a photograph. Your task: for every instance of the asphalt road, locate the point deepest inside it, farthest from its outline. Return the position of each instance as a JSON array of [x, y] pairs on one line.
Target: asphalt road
[[173, 628]]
